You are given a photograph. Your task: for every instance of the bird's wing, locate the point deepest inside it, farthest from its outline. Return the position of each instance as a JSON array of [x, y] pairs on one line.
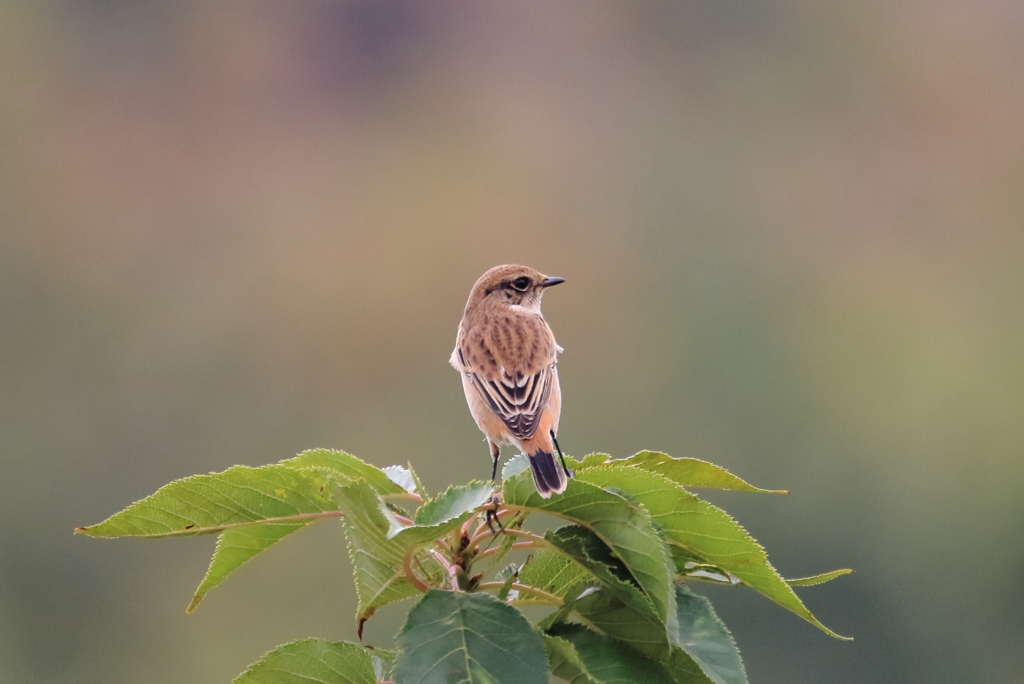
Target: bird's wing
[[514, 382]]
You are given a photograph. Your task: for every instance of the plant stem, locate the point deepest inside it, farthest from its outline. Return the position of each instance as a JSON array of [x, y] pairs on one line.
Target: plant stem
[[410, 575], [404, 496], [464, 531], [451, 569], [518, 545], [526, 589], [522, 534], [402, 519]]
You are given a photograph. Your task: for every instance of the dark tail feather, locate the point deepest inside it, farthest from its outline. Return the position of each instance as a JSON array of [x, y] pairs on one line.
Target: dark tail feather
[[547, 475]]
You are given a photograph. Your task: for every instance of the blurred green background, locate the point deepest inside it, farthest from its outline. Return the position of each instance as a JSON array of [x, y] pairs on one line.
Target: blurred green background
[[793, 238]]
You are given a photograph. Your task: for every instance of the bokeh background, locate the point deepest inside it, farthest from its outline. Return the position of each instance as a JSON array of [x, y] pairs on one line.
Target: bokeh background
[[793, 238]]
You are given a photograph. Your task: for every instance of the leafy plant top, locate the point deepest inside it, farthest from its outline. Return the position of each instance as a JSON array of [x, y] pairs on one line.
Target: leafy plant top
[[617, 574]]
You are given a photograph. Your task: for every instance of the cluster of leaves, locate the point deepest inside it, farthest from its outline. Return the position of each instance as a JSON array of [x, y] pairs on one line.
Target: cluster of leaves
[[617, 574]]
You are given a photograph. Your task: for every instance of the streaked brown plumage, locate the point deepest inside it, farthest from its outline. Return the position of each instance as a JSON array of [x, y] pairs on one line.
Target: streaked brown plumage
[[506, 355]]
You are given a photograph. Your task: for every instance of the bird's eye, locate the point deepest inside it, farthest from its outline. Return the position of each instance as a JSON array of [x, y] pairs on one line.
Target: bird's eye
[[521, 283]]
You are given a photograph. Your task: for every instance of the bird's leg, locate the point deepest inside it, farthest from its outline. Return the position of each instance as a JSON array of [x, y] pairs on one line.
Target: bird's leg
[[495, 455], [568, 472], [491, 516]]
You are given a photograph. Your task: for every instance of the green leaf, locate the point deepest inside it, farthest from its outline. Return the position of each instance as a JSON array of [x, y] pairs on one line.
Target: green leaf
[[564, 661], [705, 639], [454, 502], [634, 624], [700, 532], [519, 463], [312, 660], [694, 645], [506, 576], [604, 660], [619, 608], [345, 467], [588, 461], [383, 662], [625, 619], [818, 579], [401, 476], [252, 508], [377, 560], [691, 472], [206, 504], [591, 553], [237, 546], [708, 573], [420, 489], [453, 637], [624, 526], [441, 515], [551, 571]]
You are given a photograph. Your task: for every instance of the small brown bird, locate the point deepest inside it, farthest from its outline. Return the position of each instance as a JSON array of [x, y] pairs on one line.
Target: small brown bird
[[506, 355]]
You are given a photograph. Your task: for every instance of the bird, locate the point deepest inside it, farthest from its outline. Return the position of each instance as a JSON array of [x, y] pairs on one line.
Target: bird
[[506, 355]]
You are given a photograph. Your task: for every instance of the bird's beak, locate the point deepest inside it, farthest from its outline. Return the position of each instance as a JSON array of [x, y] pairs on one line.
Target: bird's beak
[[551, 280]]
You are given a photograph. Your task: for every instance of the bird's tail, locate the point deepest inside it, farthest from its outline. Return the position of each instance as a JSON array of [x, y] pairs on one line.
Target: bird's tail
[[547, 474]]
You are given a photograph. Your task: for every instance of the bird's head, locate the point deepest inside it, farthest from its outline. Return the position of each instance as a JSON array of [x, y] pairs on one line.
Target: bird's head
[[511, 285]]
